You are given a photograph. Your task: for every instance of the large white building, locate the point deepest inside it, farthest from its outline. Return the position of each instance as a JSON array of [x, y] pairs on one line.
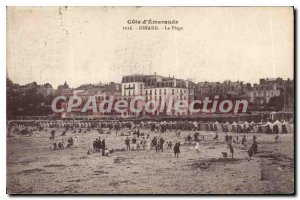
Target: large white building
[[155, 87], [261, 94]]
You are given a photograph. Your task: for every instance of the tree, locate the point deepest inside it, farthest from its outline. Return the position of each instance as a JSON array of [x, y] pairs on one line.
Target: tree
[[48, 85], [25, 102], [277, 102]]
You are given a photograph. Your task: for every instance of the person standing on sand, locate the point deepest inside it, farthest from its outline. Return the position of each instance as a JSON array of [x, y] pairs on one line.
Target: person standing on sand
[[102, 144], [161, 144], [157, 146], [106, 152], [231, 150], [177, 149], [103, 147], [127, 142], [148, 144], [170, 145], [255, 147], [154, 142], [75, 142], [226, 138], [55, 145], [177, 133], [254, 138], [244, 140], [230, 139], [52, 134], [216, 137], [197, 147], [250, 153], [144, 143], [115, 127], [276, 138], [134, 146], [189, 139]]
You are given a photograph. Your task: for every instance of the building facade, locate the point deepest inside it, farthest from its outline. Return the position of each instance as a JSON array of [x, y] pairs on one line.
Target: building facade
[[157, 88], [99, 94]]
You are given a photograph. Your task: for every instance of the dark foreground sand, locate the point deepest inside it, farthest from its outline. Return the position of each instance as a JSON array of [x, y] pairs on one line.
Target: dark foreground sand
[[32, 167]]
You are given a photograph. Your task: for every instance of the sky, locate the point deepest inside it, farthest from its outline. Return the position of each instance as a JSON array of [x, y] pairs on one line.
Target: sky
[[88, 44]]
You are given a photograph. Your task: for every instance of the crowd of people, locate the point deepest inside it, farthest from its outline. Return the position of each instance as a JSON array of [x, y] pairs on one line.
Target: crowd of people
[[99, 146], [156, 143], [133, 131], [59, 144]]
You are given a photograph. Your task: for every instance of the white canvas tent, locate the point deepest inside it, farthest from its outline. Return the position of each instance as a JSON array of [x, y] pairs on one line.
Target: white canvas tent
[[288, 127], [218, 126], [279, 125], [270, 125], [246, 125], [228, 125], [234, 126]]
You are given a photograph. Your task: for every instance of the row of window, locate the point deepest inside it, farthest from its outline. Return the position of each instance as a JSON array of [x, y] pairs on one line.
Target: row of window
[[258, 88], [156, 92], [133, 79], [264, 93], [164, 91], [160, 98], [98, 114], [132, 86]]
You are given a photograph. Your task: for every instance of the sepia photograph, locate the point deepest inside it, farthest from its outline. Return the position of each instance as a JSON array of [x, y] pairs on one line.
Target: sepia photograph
[[150, 100]]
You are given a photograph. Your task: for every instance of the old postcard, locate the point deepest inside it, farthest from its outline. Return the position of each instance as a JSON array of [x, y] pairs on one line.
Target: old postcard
[[150, 100]]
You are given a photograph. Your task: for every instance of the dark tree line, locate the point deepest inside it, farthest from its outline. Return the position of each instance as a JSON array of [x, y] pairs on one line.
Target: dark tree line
[[23, 100]]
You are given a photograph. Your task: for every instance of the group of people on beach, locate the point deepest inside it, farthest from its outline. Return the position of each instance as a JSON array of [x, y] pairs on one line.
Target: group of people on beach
[[146, 144], [99, 146], [253, 148], [229, 140], [135, 144], [136, 139], [64, 143]]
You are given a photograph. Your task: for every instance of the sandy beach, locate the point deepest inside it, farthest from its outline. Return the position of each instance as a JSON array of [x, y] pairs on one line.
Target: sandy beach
[[32, 167]]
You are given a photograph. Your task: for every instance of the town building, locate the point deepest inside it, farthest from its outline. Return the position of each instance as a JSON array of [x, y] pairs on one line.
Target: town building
[[155, 87], [261, 94], [226, 88], [64, 90], [272, 87], [100, 93]]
